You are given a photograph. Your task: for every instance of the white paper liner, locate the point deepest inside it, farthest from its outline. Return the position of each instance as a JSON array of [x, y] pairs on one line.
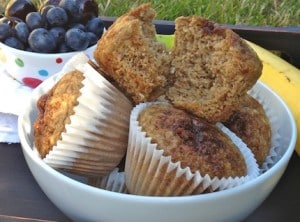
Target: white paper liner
[[274, 155], [114, 181], [144, 163], [96, 139]]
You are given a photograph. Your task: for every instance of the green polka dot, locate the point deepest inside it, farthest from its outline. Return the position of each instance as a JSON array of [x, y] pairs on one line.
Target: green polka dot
[[19, 62]]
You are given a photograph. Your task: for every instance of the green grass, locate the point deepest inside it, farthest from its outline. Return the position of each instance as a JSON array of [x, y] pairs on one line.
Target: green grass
[[277, 13], [247, 12]]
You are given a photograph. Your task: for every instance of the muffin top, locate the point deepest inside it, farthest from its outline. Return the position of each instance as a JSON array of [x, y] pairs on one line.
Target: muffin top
[[55, 109], [130, 54], [251, 124], [193, 141], [214, 68]]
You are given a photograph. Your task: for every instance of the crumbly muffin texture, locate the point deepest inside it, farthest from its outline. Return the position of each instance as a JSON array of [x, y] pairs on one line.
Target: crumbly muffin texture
[[130, 54], [214, 68], [251, 124], [204, 79], [207, 72], [55, 109], [193, 141]]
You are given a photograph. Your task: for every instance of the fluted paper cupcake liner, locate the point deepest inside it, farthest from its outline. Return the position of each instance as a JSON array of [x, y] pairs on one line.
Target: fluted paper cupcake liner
[[149, 172], [95, 141], [114, 181], [266, 103]]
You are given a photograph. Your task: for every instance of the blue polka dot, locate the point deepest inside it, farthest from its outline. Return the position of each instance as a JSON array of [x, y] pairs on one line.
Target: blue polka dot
[[43, 72]]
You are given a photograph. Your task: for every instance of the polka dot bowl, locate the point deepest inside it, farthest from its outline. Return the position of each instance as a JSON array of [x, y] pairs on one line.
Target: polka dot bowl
[[31, 68]]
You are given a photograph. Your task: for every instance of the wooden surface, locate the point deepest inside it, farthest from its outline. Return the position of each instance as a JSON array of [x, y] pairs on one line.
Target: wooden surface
[[20, 195], [21, 199]]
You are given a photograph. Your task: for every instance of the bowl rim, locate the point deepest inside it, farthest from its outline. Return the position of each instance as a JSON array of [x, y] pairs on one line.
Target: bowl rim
[[27, 150], [27, 53]]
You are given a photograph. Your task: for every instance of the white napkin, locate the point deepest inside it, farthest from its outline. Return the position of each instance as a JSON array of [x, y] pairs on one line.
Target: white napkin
[[13, 98]]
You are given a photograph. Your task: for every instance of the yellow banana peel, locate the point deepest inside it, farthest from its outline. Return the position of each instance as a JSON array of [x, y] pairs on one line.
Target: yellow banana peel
[[284, 79], [278, 74]]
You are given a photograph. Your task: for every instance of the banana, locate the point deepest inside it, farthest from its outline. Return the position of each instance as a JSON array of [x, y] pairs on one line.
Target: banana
[[279, 75], [284, 79]]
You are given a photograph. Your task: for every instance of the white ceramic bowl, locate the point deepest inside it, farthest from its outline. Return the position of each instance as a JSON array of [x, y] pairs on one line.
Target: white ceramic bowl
[[82, 202], [32, 68]]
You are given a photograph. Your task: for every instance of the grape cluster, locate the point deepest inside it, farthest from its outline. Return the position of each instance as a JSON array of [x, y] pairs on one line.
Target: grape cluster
[[56, 26]]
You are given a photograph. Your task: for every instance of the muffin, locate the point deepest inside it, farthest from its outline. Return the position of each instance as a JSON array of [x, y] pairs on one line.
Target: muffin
[[82, 125], [55, 109], [192, 141], [214, 69], [130, 54], [251, 124], [171, 152]]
